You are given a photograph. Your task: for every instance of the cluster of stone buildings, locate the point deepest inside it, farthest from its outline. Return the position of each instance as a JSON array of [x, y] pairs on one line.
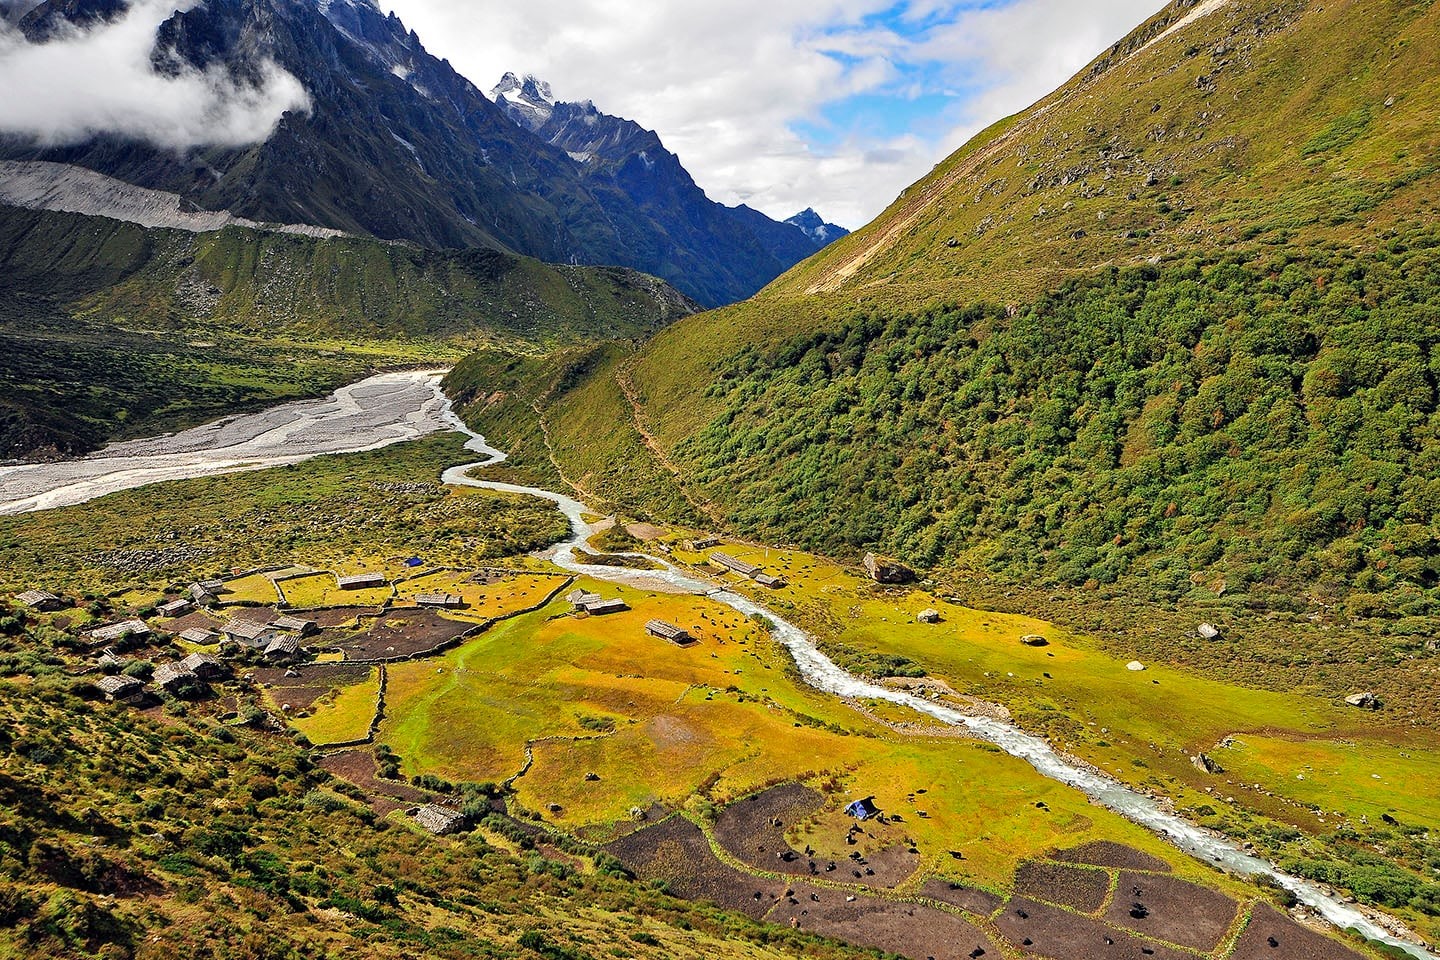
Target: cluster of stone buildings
[[188, 677], [277, 640], [582, 601], [750, 571]]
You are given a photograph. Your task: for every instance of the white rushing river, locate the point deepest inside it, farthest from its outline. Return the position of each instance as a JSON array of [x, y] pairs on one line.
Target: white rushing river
[[393, 407]]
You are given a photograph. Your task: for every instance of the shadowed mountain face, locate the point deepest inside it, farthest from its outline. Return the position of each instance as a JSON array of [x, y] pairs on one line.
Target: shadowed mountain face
[[399, 146], [619, 155]]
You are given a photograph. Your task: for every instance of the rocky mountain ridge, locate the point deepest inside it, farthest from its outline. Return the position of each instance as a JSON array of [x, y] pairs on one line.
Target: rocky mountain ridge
[[397, 145], [621, 153]]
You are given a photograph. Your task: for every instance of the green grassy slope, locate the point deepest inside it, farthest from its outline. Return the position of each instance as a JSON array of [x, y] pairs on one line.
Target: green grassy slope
[[593, 445], [1282, 121], [262, 282], [1170, 334], [204, 324]]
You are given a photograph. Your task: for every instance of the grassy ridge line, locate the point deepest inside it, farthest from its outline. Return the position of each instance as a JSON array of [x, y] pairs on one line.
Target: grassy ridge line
[[207, 324], [1298, 121], [256, 281]]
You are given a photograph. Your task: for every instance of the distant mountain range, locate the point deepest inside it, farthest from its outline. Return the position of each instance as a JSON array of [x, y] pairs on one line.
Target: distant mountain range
[[620, 155], [399, 146]]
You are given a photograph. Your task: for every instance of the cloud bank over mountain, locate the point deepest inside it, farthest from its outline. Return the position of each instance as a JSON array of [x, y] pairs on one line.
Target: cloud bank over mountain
[[784, 104], [102, 80]]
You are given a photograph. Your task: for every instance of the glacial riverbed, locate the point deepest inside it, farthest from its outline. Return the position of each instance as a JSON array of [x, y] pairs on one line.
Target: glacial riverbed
[[376, 412]]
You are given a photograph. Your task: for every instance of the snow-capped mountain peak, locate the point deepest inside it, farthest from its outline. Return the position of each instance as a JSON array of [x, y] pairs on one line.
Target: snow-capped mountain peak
[[815, 227], [529, 100]]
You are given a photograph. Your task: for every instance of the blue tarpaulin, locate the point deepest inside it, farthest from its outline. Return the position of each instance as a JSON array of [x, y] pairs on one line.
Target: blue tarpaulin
[[863, 809]]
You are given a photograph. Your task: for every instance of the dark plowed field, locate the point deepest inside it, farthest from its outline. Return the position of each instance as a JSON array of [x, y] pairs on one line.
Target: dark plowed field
[[1079, 888], [1273, 936], [1046, 931], [1171, 909], [753, 829], [676, 852], [340, 616], [192, 621], [918, 932], [264, 615], [358, 767], [1106, 853], [401, 633], [315, 680], [980, 902]]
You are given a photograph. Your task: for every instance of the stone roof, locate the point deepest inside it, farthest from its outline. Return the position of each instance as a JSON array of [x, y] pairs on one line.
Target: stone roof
[[360, 580], [203, 665], [438, 600], [246, 630], [667, 631], [283, 646], [36, 598], [734, 563], [438, 819], [199, 635], [171, 673], [119, 631], [206, 590], [119, 686], [298, 624]]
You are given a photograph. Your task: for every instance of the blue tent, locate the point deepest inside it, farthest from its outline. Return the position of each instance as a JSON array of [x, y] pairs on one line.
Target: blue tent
[[414, 562], [863, 809]]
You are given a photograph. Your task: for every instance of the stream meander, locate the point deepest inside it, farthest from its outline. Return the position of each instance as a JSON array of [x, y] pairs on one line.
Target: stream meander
[[400, 406]]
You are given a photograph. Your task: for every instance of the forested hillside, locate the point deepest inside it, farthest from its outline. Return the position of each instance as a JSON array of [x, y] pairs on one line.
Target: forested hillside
[[1170, 332]]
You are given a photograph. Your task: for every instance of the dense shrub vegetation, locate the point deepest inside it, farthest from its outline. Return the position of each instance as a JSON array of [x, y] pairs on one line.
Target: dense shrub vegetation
[[1263, 426]]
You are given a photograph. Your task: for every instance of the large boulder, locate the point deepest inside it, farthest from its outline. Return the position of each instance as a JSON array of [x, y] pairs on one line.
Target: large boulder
[[1205, 764], [1208, 631], [884, 570], [1364, 701]]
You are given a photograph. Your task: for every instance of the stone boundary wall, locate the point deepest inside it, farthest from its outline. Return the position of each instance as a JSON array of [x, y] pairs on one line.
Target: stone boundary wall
[[375, 721], [474, 631]]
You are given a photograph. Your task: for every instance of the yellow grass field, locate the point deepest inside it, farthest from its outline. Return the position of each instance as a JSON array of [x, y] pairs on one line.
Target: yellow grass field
[[321, 590], [1142, 727], [342, 715], [483, 601], [256, 588], [598, 698]]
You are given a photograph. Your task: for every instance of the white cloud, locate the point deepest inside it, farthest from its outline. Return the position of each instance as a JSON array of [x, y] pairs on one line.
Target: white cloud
[[1023, 50], [727, 84], [101, 81]]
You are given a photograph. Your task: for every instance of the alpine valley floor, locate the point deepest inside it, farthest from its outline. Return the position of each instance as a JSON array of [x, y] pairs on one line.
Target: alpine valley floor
[[583, 745]]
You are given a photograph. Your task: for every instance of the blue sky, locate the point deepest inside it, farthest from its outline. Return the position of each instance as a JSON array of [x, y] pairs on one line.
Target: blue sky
[[781, 104], [784, 104]]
